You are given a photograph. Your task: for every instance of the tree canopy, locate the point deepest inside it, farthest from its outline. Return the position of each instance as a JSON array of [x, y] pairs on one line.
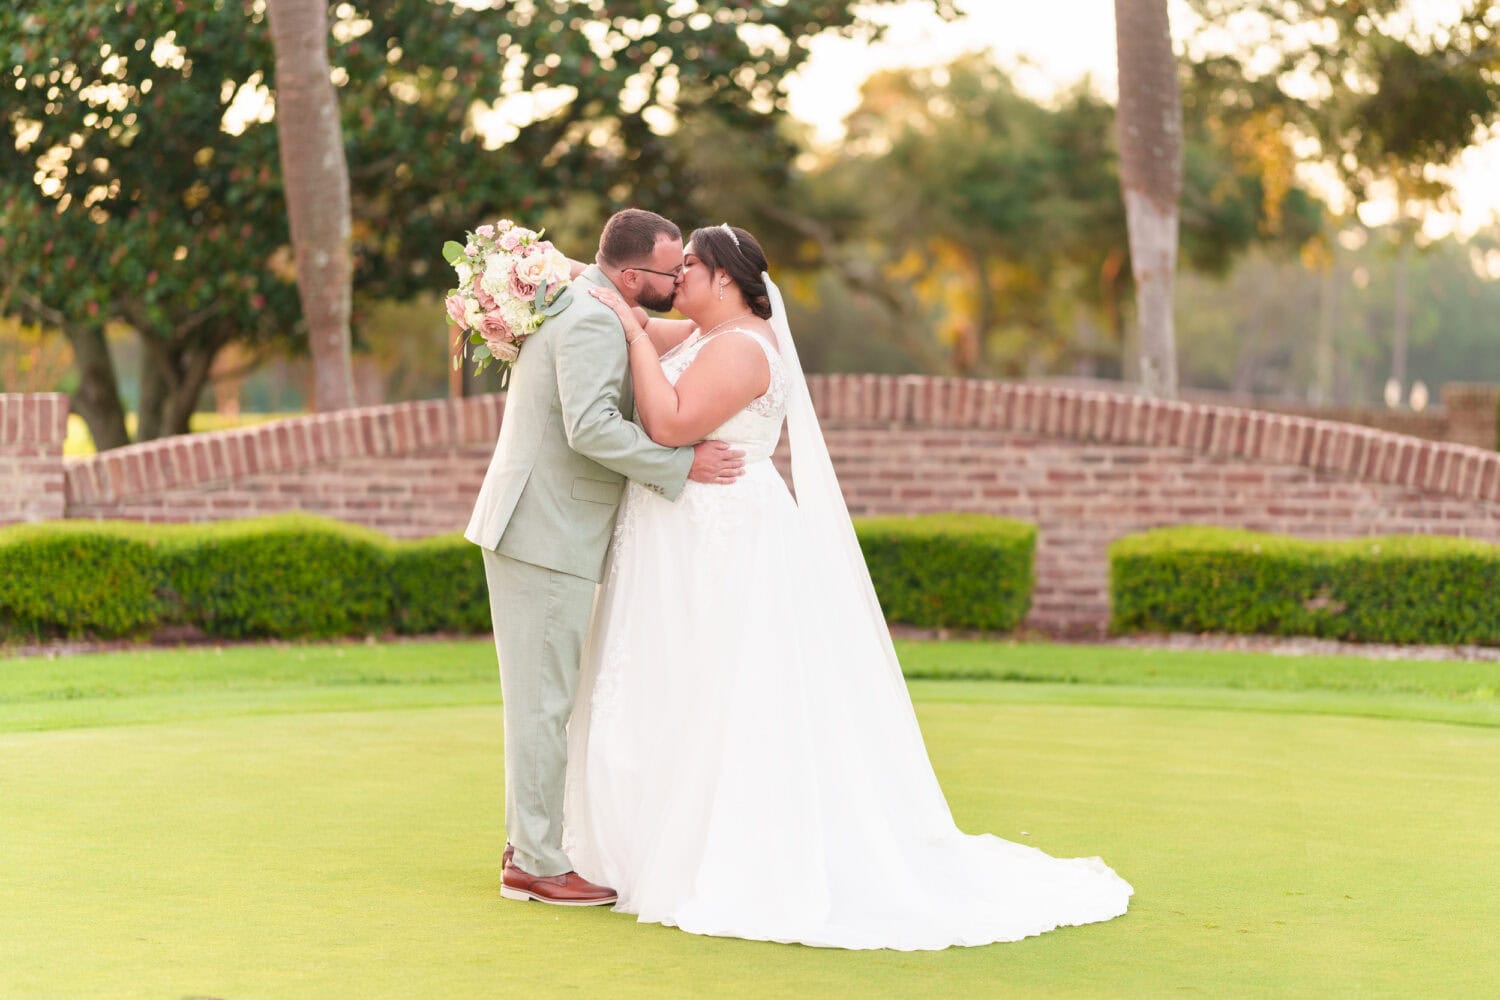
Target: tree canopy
[[146, 188], [1384, 89], [1005, 215]]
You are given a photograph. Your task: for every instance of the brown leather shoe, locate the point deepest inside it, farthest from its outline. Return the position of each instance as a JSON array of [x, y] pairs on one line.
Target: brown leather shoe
[[510, 852], [570, 889]]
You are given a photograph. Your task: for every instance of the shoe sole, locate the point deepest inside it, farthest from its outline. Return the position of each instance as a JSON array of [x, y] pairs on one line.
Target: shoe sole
[[522, 895]]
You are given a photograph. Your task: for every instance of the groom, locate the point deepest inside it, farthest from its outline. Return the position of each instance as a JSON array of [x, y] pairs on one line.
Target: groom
[[544, 518]]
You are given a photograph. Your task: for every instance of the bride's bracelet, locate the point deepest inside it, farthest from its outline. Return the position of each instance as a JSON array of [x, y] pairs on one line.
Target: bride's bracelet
[[629, 342]]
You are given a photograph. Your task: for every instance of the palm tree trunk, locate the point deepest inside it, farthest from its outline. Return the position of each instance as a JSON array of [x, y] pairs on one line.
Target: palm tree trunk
[[315, 176], [1328, 311], [1149, 123], [1401, 309]]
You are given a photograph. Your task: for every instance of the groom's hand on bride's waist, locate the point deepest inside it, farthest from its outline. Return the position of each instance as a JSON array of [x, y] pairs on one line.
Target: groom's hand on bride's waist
[[716, 462]]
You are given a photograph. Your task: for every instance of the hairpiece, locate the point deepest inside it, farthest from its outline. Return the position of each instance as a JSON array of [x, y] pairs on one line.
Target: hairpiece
[[726, 227]]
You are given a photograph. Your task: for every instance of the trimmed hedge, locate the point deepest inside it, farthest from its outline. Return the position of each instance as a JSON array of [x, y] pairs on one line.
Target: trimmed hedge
[[437, 585], [951, 570], [302, 576], [1400, 589], [289, 576], [74, 579]]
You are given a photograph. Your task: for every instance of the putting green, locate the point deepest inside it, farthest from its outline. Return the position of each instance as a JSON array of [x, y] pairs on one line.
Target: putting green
[[355, 854]]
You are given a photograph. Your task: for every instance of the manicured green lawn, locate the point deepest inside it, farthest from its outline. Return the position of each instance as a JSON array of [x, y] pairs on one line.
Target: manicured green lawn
[[325, 821]]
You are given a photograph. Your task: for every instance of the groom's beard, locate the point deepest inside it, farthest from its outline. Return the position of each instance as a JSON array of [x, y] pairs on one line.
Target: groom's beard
[[660, 303]]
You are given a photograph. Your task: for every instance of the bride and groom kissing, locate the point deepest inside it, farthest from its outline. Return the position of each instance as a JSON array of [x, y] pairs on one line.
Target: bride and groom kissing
[[705, 719]]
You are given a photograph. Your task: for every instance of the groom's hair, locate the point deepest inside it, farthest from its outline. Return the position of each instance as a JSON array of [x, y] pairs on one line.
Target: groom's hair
[[630, 236]]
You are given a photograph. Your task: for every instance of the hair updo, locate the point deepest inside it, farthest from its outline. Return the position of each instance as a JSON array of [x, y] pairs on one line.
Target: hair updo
[[744, 261]]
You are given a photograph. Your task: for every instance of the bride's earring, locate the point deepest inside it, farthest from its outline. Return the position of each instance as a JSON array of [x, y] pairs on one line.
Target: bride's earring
[[721, 291]]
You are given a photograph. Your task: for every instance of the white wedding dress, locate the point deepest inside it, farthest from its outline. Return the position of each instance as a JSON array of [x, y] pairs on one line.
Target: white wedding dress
[[744, 760]]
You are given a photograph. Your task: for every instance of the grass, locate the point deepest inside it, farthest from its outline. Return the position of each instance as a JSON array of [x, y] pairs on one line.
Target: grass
[[156, 685], [315, 821]]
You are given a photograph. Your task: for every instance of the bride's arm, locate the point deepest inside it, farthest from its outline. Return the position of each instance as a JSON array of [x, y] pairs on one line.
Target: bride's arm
[[665, 333], [724, 378]]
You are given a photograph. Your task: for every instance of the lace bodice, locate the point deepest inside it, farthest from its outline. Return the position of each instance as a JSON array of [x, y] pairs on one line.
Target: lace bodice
[[757, 427]]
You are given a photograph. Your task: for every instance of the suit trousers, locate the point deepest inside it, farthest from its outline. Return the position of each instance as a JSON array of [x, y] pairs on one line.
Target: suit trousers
[[540, 619]]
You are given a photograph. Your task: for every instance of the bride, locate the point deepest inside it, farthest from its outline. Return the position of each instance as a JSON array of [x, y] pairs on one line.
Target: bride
[[743, 755]]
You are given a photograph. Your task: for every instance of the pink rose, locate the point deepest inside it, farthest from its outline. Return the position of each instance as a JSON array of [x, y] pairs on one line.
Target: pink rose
[[486, 231], [529, 271], [455, 306], [494, 330], [521, 289], [485, 299], [510, 240]]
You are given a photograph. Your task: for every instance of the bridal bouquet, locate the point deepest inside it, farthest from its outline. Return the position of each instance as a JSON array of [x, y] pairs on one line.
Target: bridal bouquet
[[508, 276]]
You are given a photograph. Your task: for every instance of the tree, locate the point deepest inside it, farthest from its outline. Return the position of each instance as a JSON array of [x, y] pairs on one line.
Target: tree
[[316, 179], [1004, 215], [1149, 126], [146, 187], [29, 361], [1386, 93]]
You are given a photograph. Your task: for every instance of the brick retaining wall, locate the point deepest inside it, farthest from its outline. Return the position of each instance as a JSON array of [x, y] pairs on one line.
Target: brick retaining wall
[[1086, 467], [32, 429], [409, 469]]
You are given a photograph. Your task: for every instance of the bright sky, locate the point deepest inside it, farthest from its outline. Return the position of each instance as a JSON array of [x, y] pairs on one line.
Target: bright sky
[[1049, 46]]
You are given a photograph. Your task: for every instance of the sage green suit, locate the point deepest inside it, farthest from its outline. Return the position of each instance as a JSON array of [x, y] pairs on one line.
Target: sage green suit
[[543, 518]]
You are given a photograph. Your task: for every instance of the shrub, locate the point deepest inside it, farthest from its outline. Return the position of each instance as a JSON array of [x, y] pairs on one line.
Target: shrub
[[950, 570], [300, 576], [76, 578], [290, 576], [437, 585], [1404, 589]]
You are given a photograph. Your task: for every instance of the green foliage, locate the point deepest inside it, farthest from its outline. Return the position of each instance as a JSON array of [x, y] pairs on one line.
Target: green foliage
[[1231, 335], [437, 585], [1404, 589], [145, 187], [299, 576], [288, 576], [1385, 93], [1005, 216], [73, 579], [950, 570]]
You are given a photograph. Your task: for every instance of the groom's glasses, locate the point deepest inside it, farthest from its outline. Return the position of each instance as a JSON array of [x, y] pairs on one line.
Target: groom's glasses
[[674, 274]]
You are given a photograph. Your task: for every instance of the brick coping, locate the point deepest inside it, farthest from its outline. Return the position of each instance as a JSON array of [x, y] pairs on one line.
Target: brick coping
[[1348, 450], [33, 418], [191, 460]]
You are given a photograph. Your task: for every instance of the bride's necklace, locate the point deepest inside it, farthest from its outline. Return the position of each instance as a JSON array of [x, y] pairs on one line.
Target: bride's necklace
[[719, 326]]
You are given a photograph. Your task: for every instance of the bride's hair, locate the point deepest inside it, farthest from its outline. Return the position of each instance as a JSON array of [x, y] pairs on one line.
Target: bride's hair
[[735, 252]]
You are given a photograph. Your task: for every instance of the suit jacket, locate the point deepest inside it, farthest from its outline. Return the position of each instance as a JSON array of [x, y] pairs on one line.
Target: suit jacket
[[566, 446]]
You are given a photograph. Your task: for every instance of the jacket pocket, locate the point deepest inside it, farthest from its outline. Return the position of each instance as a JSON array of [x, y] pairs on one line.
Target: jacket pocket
[[596, 491]]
